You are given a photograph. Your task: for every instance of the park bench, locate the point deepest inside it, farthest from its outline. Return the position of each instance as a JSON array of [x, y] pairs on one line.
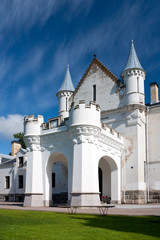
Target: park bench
[[103, 209]]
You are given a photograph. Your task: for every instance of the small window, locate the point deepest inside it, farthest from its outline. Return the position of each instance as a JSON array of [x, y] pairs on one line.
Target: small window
[[21, 162], [137, 84], [7, 183], [20, 178], [66, 104], [53, 180], [145, 171], [94, 93]]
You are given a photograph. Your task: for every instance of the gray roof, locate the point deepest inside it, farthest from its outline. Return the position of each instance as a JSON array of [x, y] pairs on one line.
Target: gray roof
[[133, 61], [7, 159], [67, 84]]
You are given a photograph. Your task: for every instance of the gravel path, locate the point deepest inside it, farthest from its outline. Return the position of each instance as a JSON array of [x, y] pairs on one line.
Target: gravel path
[[127, 209]]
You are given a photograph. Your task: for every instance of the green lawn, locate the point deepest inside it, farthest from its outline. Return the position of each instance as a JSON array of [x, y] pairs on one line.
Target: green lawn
[[23, 225]]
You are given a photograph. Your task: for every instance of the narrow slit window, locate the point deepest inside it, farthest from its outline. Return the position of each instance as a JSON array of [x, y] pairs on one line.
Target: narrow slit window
[[137, 84], [53, 180], [20, 181], [7, 182], [66, 105], [94, 93], [20, 161]]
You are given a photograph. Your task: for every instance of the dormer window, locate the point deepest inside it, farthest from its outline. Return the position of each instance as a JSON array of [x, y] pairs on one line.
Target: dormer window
[[21, 162]]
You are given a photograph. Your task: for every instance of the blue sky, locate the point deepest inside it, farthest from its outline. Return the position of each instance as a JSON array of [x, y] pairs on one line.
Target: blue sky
[[39, 38]]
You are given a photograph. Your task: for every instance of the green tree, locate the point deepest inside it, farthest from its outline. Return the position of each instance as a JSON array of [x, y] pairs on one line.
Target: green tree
[[19, 138]]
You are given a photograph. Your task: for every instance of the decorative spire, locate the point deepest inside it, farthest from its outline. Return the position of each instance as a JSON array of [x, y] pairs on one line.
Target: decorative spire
[[133, 61], [67, 84]]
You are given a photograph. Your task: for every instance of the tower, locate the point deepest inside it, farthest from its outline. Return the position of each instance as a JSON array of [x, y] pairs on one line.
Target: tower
[[65, 92], [133, 76]]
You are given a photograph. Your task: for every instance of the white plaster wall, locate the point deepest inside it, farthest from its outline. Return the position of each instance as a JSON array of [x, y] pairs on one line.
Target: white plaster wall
[[107, 92], [132, 125], [20, 171], [34, 173], [154, 149], [7, 171], [61, 178]]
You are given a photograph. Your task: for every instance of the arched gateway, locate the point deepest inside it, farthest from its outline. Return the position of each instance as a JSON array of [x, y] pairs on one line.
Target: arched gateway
[[109, 180], [57, 179], [82, 144]]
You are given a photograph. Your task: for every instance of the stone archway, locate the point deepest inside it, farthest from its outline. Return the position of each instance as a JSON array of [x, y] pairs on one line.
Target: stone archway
[[110, 179], [56, 179]]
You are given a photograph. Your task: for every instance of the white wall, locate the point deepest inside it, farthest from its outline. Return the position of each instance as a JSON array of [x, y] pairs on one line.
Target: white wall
[[106, 89], [154, 147]]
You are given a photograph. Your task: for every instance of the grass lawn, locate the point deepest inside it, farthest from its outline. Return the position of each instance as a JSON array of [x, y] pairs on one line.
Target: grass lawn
[[23, 225]]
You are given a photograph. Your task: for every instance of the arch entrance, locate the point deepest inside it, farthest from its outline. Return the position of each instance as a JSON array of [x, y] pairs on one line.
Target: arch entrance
[[57, 178], [109, 185]]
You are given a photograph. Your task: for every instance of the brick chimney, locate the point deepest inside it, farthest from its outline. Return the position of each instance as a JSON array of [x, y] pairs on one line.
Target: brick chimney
[[15, 147], [154, 92]]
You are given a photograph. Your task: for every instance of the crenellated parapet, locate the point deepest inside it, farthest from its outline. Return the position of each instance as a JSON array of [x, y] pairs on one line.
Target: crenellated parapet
[[133, 72], [64, 94], [84, 114], [85, 127], [110, 130], [32, 125]]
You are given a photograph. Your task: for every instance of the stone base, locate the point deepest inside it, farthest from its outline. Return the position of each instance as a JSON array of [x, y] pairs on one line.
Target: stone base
[[85, 199], [134, 197], [60, 198], [48, 203], [7, 197], [154, 196], [33, 200], [115, 202]]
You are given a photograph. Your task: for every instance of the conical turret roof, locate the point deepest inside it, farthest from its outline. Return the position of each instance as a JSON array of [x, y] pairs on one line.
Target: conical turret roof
[[133, 61], [67, 84]]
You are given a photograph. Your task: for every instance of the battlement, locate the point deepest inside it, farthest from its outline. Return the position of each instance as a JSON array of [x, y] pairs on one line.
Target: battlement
[[134, 72], [31, 118], [53, 123], [84, 114], [32, 124], [110, 130], [82, 104]]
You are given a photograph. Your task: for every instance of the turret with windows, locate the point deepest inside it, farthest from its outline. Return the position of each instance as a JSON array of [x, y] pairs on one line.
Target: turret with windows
[[64, 94], [133, 76]]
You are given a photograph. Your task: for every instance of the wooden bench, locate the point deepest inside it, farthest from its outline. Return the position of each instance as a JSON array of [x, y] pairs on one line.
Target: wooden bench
[[103, 209]]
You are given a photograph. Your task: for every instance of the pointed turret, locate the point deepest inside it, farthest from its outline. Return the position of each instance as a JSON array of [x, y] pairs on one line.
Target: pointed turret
[[67, 84], [133, 61], [133, 76], [64, 94]]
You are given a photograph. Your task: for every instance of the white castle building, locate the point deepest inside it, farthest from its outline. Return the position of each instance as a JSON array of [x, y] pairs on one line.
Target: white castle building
[[104, 142]]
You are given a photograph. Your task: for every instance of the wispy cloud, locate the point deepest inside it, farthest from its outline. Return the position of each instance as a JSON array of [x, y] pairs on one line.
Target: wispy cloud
[[10, 125], [22, 15], [5, 66], [30, 62]]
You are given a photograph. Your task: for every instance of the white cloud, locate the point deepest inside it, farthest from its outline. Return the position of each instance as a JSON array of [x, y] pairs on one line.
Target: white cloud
[[10, 125]]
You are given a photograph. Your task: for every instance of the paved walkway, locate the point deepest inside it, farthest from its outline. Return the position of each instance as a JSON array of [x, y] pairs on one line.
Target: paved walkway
[[123, 209]]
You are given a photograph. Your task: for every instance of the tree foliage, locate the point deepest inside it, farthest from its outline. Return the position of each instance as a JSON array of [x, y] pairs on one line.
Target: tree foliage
[[19, 138]]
